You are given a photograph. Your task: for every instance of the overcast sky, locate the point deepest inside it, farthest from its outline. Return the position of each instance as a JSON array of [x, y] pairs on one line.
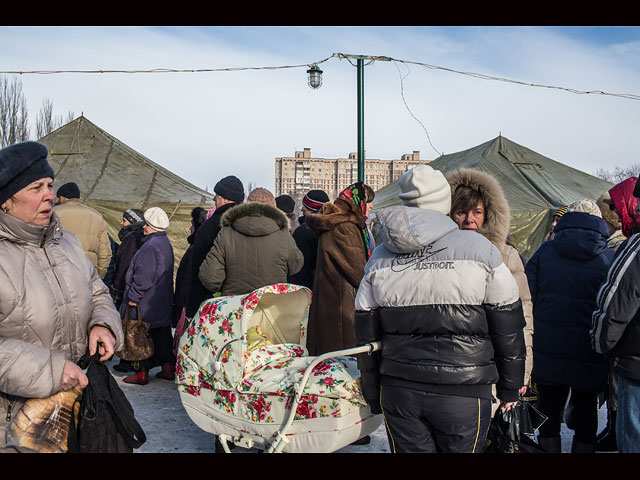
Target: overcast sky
[[203, 126]]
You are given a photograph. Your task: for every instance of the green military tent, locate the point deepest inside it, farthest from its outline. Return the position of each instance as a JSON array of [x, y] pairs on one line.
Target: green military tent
[[113, 177], [534, 185]]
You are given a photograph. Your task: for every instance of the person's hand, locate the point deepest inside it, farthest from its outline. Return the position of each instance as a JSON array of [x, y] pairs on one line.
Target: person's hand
[[132, 304], [102, 340], [506, 406], [523, 390], [72, 376]]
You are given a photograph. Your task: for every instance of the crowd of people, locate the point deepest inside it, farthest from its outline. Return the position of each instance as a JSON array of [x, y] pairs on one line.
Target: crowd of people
[[468, 325]]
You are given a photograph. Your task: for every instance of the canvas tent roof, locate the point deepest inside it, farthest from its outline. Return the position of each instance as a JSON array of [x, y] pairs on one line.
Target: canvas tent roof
[[535, 186], [113, 177]]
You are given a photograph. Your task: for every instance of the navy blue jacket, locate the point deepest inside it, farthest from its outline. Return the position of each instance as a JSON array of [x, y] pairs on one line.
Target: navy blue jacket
[[149, 280], [564, 276]]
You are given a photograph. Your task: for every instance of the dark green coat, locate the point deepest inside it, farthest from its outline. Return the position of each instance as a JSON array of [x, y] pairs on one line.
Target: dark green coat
[[254, 248]]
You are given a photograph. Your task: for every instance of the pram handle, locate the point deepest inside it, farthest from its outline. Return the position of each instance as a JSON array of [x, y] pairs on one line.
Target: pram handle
[[281, 439]]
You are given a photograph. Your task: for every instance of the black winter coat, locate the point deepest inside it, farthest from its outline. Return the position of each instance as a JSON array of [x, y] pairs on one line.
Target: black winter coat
[[564, 276], [307, 243], [131, 238], [202, 243], [615, 330]]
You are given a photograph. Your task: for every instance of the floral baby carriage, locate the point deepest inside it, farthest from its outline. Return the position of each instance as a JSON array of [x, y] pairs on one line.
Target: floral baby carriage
[[244, 374]]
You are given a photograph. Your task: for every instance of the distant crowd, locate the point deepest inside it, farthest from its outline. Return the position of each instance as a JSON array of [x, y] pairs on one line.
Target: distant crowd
[[469, 327]]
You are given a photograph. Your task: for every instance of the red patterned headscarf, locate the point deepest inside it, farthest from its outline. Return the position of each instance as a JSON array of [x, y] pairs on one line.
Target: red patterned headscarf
[[356, 194]]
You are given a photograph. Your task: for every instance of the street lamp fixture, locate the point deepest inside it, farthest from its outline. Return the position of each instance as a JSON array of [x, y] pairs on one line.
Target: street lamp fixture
[[315, 77]]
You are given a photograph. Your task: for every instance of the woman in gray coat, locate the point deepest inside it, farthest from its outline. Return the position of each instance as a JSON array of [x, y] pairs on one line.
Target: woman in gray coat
[[53, 306]]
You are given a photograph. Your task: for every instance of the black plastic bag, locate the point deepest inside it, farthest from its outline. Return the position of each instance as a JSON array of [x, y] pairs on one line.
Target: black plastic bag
[[514, 431], [106, 421]]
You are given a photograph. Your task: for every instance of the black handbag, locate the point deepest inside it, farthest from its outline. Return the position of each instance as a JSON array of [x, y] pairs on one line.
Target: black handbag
[[105, 420], [138, 344], [514, 431]]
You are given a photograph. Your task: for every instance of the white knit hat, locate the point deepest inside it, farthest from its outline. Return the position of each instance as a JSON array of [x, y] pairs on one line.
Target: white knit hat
[[156, 218], [424, 187], [586, 206]]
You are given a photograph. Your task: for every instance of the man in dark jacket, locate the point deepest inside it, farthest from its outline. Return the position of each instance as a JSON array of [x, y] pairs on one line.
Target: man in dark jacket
[[448, 314], [306, 240], [229, 192], [615, 332]]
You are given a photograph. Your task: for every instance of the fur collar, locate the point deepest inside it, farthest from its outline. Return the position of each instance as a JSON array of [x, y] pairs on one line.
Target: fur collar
[[497, 212], [254, 209], [332, 214]]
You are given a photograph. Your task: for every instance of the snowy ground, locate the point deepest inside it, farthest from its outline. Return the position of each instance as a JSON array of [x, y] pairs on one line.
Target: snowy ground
[[169, 429]]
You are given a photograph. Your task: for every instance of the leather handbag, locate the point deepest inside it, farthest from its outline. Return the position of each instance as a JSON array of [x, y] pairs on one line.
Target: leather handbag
[[137, 344]]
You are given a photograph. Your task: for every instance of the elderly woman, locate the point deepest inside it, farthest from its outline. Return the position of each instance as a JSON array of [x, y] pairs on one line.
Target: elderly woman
[[149, 285], [53, 305], [344, 246], [478, 204]]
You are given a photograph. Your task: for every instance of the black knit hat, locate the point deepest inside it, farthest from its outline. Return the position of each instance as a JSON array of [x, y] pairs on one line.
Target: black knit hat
[[286, 203], [230, 188], [314, 200], [69, 190], [198, 217], [21, 164], [133, 215]]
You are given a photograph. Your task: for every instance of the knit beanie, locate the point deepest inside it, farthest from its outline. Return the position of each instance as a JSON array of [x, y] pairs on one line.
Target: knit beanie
[[315, 199], [424, 187], [586, 206], [286, 203], [133, 215], [21, 164], [561, 211], [230, 188], [262, 195], [156, 218], [69, 190]]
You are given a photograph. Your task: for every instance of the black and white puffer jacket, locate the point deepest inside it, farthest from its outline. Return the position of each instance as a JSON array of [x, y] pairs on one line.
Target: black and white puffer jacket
[[445, 307]]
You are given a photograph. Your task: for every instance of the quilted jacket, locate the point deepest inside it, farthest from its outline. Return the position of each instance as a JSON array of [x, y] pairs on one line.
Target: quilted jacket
[[50, 297], [445, 307]]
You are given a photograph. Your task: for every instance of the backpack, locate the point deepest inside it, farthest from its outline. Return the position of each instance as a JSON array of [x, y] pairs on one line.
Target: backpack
[[106, 422]]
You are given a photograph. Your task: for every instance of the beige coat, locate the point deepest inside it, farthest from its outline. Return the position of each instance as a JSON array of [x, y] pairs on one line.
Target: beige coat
[[88, 225], [50, 297], [496, 229]]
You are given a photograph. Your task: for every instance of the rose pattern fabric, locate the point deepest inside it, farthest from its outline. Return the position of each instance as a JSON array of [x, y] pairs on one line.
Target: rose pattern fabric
[[259, 385]]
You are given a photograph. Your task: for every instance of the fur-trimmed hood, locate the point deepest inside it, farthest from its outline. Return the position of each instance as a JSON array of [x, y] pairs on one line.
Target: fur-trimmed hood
[[255, 219], [332, 214], [497, 212]]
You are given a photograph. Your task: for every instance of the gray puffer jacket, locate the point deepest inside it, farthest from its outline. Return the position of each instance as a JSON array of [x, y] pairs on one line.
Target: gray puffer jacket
[[254, 248], [50, 297]]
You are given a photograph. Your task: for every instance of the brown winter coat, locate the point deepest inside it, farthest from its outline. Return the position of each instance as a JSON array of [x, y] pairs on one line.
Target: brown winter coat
[[87, 224], [496, 229], [50, 297], [254, 248], [339, 269]]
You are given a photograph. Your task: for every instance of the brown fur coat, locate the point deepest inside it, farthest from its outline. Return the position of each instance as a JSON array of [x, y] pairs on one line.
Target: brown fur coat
[[339, 269], [496, 229]]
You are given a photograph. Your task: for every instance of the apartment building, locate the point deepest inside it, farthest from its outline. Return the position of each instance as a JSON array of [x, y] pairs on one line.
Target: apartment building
[[297, 175]]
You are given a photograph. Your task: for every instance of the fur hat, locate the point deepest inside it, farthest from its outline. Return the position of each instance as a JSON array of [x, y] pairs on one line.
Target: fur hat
[[424, 187], [608, 211], [315, 199], [69, 190], [21, 164], [157, 219], [286, 203], [230, 188], [133, 215], [586, 206]]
